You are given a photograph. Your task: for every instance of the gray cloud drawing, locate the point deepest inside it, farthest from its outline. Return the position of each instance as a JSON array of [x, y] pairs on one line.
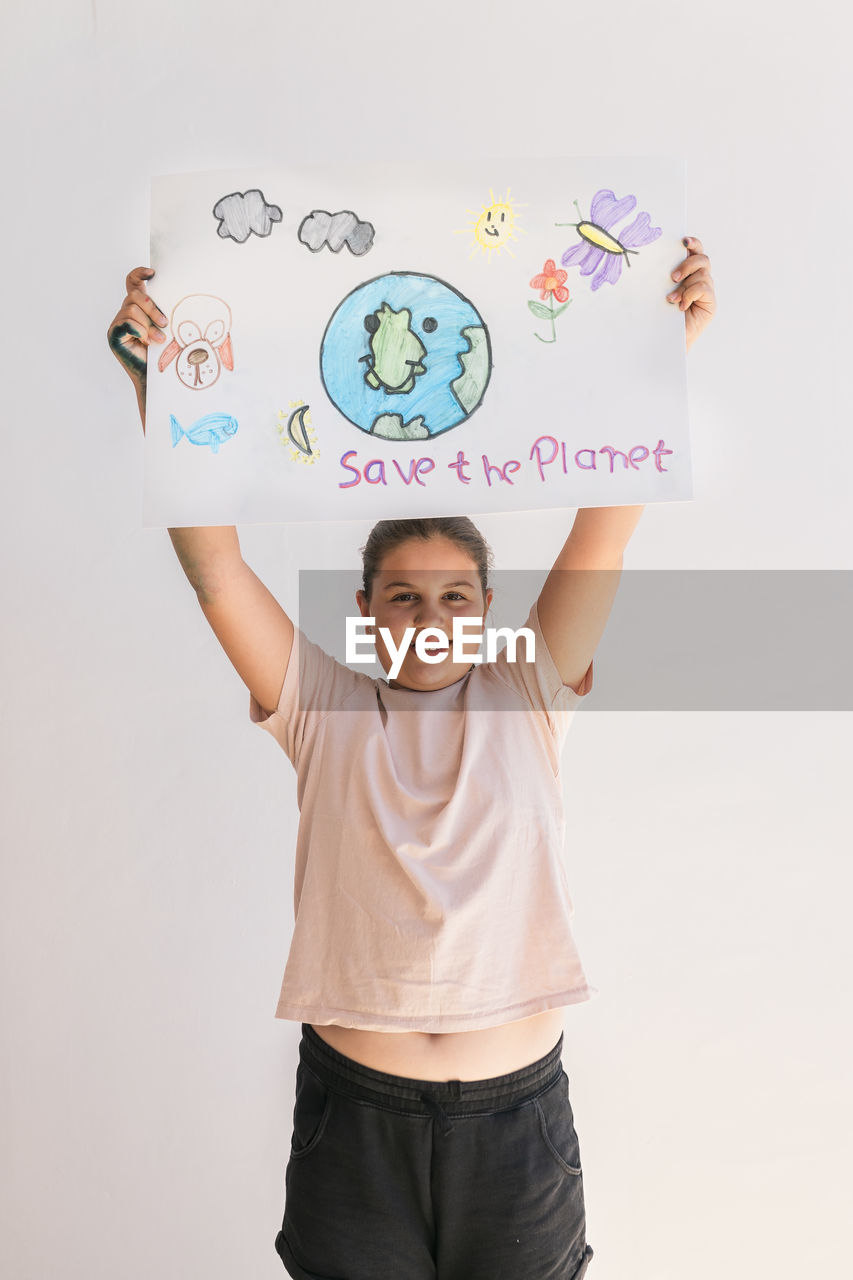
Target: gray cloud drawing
[[243, 213], [336, 230]]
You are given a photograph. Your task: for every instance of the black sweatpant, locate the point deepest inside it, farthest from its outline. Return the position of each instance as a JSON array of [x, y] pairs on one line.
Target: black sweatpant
[[398, 1179]]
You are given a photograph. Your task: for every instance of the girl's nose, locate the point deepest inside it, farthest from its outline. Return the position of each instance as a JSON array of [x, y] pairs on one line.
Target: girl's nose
[[430, 614]]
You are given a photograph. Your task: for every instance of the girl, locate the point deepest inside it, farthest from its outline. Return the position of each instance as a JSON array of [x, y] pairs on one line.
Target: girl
[[432, 953]]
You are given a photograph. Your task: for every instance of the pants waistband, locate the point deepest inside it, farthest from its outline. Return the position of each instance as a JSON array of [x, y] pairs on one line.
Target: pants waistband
[[442, 1098]]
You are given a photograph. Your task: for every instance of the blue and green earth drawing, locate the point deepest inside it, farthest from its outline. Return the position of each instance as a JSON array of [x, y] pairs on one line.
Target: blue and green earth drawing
[[406, 357]]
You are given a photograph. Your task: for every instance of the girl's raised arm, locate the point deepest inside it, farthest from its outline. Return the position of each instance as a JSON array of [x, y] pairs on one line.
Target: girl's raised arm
[[575, 602], [577, 597], [246, 618]]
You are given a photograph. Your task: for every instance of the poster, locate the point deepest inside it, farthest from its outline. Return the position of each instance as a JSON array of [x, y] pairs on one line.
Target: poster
[[388, 340]]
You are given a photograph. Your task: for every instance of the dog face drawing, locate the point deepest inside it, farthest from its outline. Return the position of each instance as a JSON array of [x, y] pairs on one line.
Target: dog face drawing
[[201, 340]]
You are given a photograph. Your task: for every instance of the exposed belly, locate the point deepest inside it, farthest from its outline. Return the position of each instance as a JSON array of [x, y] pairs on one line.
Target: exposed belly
[[453, 1055]]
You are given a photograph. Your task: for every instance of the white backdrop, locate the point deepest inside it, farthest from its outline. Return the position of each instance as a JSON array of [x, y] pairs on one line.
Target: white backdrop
[[147, 828]]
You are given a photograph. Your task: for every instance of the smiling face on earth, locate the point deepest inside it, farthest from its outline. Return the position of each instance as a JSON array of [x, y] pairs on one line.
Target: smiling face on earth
[[421, 584]]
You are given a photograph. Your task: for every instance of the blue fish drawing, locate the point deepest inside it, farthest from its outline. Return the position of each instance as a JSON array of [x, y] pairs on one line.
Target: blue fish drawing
[[213, 429]]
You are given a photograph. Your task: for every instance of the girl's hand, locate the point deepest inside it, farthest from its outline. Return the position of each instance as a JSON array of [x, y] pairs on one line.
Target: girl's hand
[[135, 326], [695, 292]]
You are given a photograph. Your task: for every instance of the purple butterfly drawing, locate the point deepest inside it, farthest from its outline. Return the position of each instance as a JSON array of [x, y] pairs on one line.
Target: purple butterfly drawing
[[600, 250]]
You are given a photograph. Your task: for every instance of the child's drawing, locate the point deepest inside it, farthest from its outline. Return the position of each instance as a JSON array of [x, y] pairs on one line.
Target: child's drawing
[[351, 331], [600, 244], [494, 226], [551, 284], [406, 357], [296, 432], [201, 340], [245, 213], [334, 230], [213, 429]]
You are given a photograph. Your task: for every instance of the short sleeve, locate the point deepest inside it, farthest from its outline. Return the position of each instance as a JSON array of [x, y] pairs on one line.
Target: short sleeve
[[314, 684], [539, 682]]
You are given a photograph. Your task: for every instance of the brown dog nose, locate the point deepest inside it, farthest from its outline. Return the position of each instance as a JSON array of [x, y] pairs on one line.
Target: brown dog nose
[[197, 357]]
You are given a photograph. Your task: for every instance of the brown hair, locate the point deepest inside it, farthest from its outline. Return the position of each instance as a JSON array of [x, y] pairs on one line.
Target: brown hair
[[388, 534]]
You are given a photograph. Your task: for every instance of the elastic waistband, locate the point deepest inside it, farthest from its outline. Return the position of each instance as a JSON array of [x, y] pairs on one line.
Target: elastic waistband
[[450, 1097]]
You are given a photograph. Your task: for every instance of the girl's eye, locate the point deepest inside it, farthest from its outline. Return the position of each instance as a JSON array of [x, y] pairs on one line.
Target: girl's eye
[[403, 596]]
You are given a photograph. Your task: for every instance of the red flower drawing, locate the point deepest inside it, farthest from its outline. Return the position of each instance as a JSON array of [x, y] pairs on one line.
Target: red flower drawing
[[551, 281], [550, 285]]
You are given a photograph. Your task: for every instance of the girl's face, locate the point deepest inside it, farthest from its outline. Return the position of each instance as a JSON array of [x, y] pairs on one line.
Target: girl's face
[[425, 584]]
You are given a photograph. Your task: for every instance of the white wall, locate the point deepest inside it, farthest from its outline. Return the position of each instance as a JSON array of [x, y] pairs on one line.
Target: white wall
[[147, 828]]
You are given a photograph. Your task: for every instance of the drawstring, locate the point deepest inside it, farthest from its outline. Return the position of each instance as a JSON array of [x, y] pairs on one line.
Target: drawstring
[[438, 1110]]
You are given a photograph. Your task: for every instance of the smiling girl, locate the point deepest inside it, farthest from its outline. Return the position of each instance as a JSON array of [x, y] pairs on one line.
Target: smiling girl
[[432, 954]]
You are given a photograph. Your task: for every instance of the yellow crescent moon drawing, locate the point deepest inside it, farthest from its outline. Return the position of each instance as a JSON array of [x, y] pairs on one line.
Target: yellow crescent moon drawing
[[297, 430]]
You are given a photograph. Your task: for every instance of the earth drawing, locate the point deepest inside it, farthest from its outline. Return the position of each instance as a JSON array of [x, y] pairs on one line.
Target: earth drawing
[[406, 357]]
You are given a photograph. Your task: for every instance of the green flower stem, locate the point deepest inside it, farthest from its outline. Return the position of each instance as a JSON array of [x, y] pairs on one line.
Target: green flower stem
[[544, 313], [553, 337]]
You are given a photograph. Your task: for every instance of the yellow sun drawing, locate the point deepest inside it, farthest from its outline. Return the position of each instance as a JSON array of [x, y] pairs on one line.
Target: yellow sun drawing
[[297, 434], [494, 226]]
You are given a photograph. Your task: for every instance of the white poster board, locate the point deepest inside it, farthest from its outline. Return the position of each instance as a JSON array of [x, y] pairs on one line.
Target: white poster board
[[388, 341]]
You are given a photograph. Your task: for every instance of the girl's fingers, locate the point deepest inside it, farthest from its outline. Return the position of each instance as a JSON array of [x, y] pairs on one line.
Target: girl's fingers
[[701, 276], [696, 262], [136, 325], [139, 307], [126, 332], [128, 350], [695, 296], [696, 293], [141, 316], [132, 329], [675, 294], [136, 277], [148, 305], [131, 321]]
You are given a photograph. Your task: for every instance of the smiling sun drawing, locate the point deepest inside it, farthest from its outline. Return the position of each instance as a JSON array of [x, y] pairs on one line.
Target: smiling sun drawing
[[494, 226]]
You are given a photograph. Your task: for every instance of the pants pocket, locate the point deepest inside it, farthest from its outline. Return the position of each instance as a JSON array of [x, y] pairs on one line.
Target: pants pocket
[[310, 1114], [557, 1126]]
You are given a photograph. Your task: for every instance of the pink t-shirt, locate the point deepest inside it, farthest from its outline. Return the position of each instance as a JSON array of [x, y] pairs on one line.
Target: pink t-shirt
[[430, 889]]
